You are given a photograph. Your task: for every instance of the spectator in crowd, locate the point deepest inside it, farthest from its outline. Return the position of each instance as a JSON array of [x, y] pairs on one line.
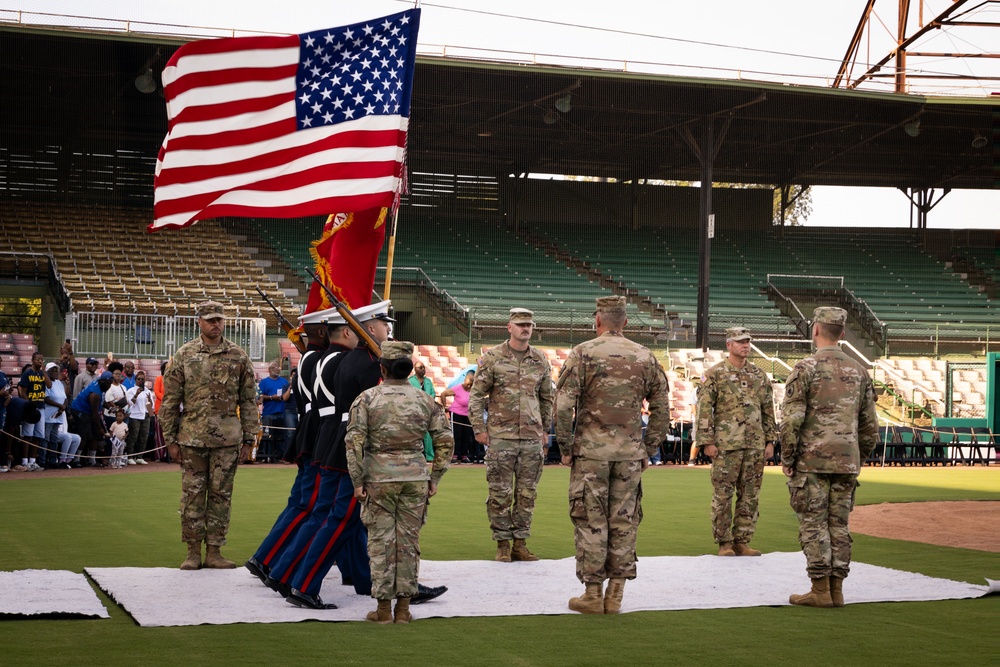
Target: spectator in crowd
[[465, 441], [139, 401], [291, 414], [598, 402], [19, 412], [693, 402], [119, 437], [420, 380], [161, 449], [114, 397], [32, 388], [4, 439], [274, 392], [60, 443], [85, 377], [87, 407], [68, 362], [736, 429], [128, 375]]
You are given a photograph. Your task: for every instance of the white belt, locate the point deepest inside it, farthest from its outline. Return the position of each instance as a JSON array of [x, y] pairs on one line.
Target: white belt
[[328, 410], [346, 416], [308, 407]]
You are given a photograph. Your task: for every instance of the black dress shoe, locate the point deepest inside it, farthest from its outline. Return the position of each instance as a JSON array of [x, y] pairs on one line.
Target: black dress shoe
[[300, 599], [284, 590], [425, 593], [258, 569]]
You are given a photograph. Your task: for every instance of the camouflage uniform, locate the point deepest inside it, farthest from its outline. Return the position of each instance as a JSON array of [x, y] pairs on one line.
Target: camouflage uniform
[[736, 414], [216, 386], [385, 454], [602, 385], [829, 427], [519, 397]]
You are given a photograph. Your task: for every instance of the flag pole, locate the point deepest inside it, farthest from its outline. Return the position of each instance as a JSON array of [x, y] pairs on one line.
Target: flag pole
[[392, 252]]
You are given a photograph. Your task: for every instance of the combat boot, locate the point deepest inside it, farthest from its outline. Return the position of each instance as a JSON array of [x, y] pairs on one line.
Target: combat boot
[[401, 614], [819, 596], [741, 549], [215, 560], [383, 614], [193, 560], [726, 549], [837, 591], [520, 551], [591, 602], [503, 551], [613, 596]]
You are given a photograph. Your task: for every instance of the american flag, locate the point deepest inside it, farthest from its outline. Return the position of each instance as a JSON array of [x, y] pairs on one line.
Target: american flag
[[286, 126]]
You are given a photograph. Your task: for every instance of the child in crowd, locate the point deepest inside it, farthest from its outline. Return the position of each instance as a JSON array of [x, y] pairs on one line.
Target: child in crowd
[[119, 433]]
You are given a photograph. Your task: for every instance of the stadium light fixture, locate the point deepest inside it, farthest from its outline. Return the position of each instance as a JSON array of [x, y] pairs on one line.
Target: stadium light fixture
[[564, 103], [551, 117], [912, 128], [979, 141], [146, 82]]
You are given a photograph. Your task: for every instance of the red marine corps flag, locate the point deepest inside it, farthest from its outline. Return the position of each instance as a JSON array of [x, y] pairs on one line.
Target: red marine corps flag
[[346, 257], [286, 127]]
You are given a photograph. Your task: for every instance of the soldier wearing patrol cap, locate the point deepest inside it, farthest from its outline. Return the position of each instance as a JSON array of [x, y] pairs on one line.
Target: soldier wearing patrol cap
[[829, 427], [213, 379], [514, 384], [598, 408], [736, 430], [388, 470]]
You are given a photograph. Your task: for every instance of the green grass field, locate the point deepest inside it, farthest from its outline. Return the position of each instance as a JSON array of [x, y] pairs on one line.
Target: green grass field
[[131, 519]]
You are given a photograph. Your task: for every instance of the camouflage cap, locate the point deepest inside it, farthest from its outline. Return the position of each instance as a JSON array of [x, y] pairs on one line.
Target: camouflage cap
[[397, 349], [208, 310], [738, 334], [830, 315], [521, 316], [610, 304]]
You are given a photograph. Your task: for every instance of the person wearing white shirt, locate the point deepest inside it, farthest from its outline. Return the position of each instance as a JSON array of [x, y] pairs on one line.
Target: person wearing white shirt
[[61, 443], [139, 402]]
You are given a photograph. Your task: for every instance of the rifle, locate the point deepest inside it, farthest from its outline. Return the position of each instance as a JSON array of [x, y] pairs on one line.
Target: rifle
[[285, 325], [348, 316]]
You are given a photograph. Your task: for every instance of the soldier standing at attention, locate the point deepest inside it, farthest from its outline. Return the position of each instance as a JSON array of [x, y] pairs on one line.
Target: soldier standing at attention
[[385, 455], [602, 385], [736, 430], [829, 427], [212, 378], [513, 382]]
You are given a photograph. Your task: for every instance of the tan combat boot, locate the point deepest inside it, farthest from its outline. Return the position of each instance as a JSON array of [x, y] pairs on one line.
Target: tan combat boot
[[837, 591], [744, 549], [520, 551], [215, 560], [726, 549], [819, 596], [401, 614], [193, 560], [383, 614], [503, 551], [613, 596], [591, 602]]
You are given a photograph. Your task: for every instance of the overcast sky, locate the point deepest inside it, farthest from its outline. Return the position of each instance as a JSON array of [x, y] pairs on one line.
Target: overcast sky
[[797, 41]]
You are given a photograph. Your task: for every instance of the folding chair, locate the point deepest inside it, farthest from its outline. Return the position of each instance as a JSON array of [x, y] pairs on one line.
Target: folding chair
[[963, 441], [984, 436]]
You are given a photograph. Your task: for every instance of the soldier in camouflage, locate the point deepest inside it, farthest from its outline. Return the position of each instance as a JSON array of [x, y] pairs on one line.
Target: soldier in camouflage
[[602, 386], [736, 430], [514, 384], [385, 458], [212, 378], [829, 427]]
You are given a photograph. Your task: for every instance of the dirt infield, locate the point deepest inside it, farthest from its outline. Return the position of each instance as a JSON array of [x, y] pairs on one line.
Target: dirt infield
[[968, 524]]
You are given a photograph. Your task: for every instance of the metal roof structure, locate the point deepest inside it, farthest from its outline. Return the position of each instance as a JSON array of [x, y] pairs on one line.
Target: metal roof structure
[[72, 107]]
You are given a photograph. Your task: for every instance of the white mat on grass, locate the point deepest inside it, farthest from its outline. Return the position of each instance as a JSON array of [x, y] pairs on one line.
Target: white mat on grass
[[165, 597], [36, 592]]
